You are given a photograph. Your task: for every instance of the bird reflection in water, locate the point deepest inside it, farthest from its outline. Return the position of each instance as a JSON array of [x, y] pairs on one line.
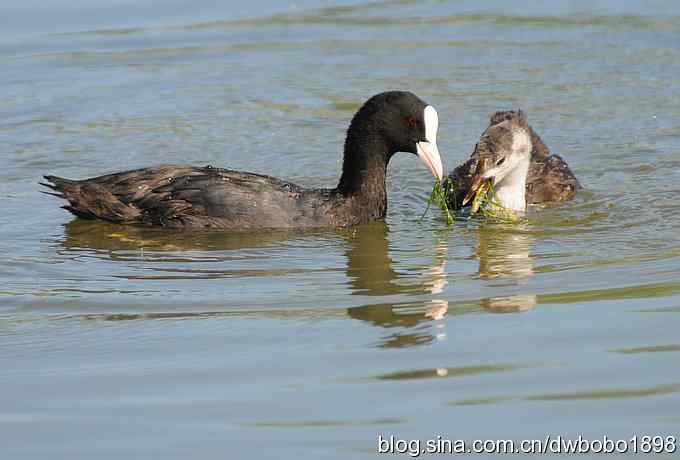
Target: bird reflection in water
[[369, 267], [504, 252], [370, 271], [104, 236], [407, 308]]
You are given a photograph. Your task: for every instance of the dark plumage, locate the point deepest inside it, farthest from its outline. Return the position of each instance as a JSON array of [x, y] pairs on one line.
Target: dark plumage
[[207, 197], [549, 179]]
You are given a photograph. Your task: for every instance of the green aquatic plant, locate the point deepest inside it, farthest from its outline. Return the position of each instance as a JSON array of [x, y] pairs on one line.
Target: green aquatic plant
[[441, 191], [486, 202]]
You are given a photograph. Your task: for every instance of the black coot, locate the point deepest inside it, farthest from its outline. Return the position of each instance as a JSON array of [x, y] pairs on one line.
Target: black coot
[[187, 197]]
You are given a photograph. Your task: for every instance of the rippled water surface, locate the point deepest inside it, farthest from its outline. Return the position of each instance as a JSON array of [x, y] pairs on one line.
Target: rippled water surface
[[125, 342]]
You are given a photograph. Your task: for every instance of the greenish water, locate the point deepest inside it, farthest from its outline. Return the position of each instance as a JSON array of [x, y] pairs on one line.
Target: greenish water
[[123, 342]]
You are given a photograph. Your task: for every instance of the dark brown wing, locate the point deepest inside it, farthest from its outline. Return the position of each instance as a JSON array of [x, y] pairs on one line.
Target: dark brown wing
[[188, 197], [550, 181], [113, 197]]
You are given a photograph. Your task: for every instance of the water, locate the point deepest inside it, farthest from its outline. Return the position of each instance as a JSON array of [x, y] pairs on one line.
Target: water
[[117, 341]]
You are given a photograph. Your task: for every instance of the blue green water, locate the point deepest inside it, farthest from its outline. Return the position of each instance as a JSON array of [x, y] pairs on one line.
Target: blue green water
[[120, 342]]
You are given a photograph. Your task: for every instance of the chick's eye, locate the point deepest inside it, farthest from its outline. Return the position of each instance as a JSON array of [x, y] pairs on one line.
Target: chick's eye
[[412, 121], [500, 161]]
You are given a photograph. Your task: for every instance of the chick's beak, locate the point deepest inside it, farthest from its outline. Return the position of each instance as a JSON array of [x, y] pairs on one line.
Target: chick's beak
[[429, 155], [478, 178], [476, 184]]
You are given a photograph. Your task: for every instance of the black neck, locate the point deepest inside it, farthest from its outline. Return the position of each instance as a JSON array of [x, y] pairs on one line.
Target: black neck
[[365, 163]]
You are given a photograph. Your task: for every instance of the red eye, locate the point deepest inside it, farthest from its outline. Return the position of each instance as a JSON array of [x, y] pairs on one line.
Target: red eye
[[412, 120]]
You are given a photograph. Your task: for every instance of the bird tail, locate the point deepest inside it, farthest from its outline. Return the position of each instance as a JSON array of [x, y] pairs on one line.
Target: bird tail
[[90, 199], [66, 189], [58, 185]]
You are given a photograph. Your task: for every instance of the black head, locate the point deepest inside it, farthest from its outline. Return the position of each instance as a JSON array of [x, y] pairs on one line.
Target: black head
[[403, 123]]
